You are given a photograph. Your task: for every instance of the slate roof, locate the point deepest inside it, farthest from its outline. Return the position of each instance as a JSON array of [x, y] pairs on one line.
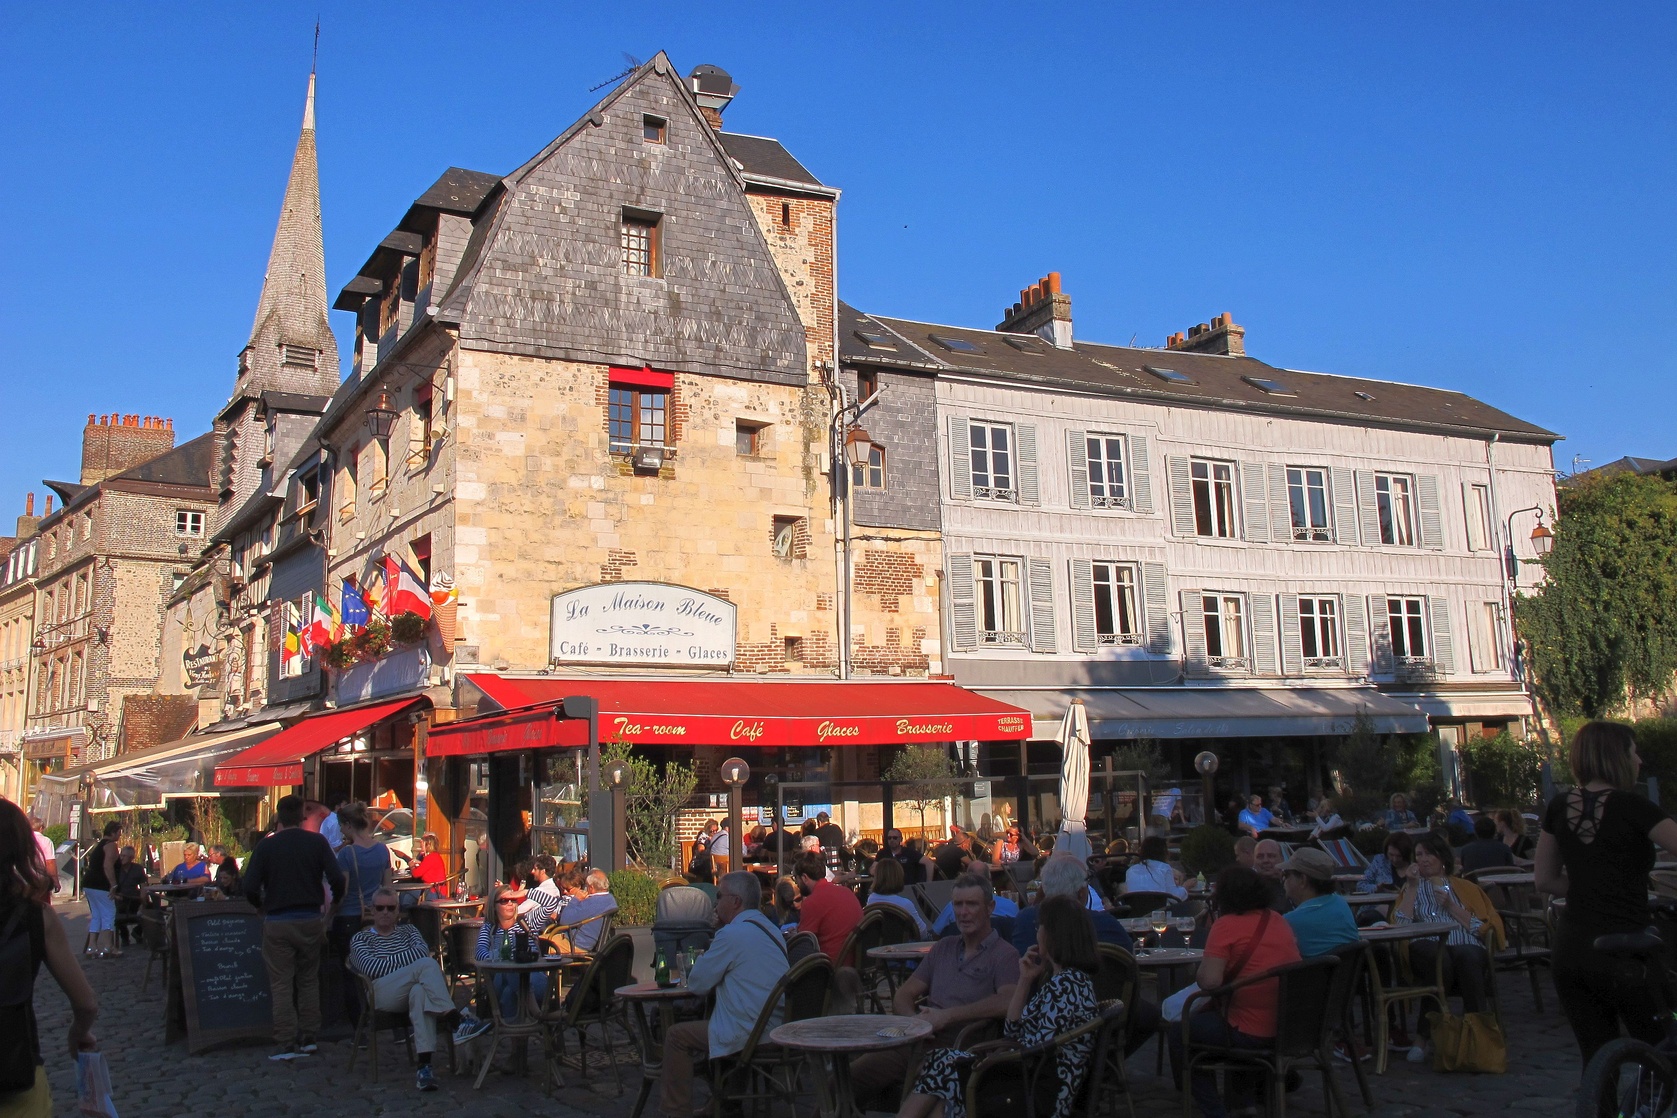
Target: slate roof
[[189, 464], [295, 402], [759, 155], [458, 191], [1218, 382], [1632, 465]]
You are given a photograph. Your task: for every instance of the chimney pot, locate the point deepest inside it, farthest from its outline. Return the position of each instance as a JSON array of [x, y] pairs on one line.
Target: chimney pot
[[29, 505], [48, 511], [1053, 283]]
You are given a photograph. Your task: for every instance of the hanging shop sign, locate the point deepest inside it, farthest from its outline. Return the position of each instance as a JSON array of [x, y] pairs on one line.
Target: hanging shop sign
[[642, 623], [202, 666]]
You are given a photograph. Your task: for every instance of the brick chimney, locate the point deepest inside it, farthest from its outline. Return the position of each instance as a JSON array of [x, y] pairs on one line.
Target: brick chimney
[[1220, 335], [27, 523], [1043, 309], [114, 443], [713, 87]]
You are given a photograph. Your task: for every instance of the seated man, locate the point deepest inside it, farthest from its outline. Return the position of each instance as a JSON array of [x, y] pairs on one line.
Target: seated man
[[1486, 850], [1267, 859], [405, 977], [1246, 852], [830, 833], [745, 961], [964, 978], [192, 866], [1320, 917], [947, 925], [543, 903], [125, 891], [591, 900], [1255, 817], [829, 912]]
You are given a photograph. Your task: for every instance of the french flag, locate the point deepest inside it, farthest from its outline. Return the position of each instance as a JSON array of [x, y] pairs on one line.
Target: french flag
[[404, 593]]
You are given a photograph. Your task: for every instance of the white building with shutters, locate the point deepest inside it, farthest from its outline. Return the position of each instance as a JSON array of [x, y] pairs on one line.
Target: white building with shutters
[[1204, 548]]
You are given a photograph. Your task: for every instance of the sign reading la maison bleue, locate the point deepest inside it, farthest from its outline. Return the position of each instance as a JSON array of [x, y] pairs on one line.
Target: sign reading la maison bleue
[[642, 623]]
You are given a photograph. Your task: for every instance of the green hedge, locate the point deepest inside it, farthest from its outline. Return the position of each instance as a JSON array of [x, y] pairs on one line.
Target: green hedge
[[636, 893], [1502, 772], [1207, 849], [57, 832]]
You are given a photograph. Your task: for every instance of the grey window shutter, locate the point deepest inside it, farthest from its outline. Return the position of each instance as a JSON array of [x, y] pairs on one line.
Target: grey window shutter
[[1292, 652], [1280, 513], [1432, 513], [1077, 453], [1344, 506], [960, 458], [1042, 605], [1083, 635], [1156, 601], [963, 604], [1478, 643], [1356, 636], [1254, 504], [1181, 494], [1443, 641], [1024, 436], [1193, 634], [1141, 476], [1263, 634], [1380, 624], [1367, 511]]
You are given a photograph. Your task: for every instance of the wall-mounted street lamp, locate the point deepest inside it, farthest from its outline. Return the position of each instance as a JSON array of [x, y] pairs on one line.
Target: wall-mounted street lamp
[[1542, 542], [849, 447], [381, 417]]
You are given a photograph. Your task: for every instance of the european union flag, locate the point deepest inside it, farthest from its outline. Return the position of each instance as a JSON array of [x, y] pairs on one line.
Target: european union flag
[[353, 607]]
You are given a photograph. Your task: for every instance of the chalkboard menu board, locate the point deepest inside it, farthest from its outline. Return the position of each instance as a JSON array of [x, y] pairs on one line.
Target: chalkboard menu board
[[220, 976]]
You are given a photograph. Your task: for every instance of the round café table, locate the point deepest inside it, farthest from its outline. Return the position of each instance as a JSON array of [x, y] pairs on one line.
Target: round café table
[[831, 1041], [1384, 995], [431, 917], [902, 952], [641, 997], [1355, 899], [531, 1020]]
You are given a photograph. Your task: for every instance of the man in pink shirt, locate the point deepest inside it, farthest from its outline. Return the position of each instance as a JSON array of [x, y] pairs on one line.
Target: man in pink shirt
[[830, 911]]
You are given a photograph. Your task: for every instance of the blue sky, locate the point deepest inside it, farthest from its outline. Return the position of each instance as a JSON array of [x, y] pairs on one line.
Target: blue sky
[[1474, 196]]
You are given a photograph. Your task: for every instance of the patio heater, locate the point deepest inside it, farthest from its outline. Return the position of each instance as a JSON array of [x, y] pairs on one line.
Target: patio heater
[[735, 772], [1206, 765], [616, 776], [599, 802]]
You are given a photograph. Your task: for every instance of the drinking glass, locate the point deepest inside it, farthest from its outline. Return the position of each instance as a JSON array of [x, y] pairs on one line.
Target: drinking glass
[[1185, 927], [1159, 922]]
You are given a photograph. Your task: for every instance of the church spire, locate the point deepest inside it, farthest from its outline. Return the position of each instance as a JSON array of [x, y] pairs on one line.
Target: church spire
[[291, 346]]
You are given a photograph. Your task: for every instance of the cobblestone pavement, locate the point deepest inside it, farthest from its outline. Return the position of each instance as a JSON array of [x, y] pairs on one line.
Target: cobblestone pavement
[[154, 1079]]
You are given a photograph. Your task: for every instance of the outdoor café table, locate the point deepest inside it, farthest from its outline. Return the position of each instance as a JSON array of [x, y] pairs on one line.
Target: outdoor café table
[[166, 893], [1384, 996], [431, 917], [642, 995], [1510, 878], [529, 1022], [902, 952], [1370, 898], [831, 1041]]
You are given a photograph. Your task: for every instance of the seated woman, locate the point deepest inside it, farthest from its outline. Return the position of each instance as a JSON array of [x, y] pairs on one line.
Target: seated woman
[[701, 873], [1153, 873], [888, 891], [1247, 939], [1327, 820], [1431, 894], [787, 898], [1511, 829], [501, 926], [1065, 951], [1398, 816], [1012, 847], [1387, 870]]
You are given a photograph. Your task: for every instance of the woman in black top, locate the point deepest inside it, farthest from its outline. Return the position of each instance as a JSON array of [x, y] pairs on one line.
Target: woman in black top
[[1596, 850], [98, 879]]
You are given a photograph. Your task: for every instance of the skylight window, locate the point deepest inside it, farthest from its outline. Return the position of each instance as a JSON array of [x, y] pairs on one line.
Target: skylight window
[[1273, 387], [955, 345], [1170, 376], [1361, 395], [873, 339], [1024, 345]]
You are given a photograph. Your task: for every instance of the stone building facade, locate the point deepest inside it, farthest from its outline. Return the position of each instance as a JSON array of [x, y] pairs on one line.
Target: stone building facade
[[17, 633]]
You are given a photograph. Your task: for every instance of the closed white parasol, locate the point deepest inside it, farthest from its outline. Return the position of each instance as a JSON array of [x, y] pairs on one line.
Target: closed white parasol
[[1074, 781]]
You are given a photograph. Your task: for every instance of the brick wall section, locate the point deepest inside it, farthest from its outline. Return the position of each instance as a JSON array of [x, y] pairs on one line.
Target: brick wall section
[[802, 248], [114, 443], [890, 574], [149, 720], [617, 561]]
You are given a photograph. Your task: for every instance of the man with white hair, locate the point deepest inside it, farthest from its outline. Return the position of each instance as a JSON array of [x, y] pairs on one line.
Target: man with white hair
[[743, 964], [586, 910], [1267, 859], [405, 977]]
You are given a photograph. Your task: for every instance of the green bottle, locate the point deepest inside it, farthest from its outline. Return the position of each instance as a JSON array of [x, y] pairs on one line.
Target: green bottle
[[661, 969], [506, 947]]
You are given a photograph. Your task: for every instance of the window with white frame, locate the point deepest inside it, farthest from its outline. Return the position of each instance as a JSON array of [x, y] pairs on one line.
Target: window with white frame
[[1106, 472], [1319, 633], [1408, 619], [1225, 630], [1001, 614], [870, 474], [1478, 507], [1213, 498], [1117, 620], [1307, 503], [189, 522], [992, 461], [1394, 502]]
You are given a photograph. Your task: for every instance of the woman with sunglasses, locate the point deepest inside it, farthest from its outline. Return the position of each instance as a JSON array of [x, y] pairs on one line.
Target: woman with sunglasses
[[1012, 847], [501, 925]]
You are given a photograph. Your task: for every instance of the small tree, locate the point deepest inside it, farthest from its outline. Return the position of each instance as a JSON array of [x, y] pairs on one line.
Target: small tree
[[1143, 755], [1503, 772], [923, 776], [1366, 766], [651, 801]]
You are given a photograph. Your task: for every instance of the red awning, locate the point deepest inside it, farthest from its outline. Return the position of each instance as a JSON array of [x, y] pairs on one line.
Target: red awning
[[728, 712], [279, 760]]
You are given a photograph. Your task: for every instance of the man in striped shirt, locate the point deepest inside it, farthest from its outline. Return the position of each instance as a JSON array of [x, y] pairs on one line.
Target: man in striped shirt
[[546, 900], [405, 978]]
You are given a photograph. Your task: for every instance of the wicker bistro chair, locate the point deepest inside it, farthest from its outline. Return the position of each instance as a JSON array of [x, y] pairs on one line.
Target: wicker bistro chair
[[373, 1020], [1529, 943], [1108, 1076], [591, 1003], [1304, 1035], [880, 978], [762, 1072], [1342, 996], [154, 933], [1009, 1080], [1130, 906]]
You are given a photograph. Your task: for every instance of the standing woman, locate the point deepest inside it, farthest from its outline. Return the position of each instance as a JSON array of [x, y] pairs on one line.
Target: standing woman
[[1596, 850], [98, 879], [30, 933]]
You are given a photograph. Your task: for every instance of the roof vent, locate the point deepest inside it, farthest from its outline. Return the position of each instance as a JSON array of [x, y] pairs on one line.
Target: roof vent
[[713, 87]]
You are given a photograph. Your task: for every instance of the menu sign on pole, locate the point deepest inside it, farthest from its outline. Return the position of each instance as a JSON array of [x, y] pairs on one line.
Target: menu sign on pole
[[642, 623]]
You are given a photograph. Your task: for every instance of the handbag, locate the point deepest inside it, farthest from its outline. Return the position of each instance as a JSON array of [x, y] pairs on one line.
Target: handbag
[[1471, 1042]]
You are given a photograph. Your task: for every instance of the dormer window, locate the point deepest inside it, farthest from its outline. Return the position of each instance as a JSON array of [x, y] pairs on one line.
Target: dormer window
[[653, 129]]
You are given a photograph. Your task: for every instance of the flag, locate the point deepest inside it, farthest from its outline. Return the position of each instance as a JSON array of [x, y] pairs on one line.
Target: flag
[[321, 630], [404, 593], [335, 624], [293, 642], [372, 590], [354, 605]]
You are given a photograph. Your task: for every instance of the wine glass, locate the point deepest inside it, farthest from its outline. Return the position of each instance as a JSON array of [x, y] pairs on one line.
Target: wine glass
[[1159, 921]]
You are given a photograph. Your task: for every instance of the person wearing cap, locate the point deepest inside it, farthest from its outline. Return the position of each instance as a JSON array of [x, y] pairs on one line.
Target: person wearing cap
[[1320, 918]]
